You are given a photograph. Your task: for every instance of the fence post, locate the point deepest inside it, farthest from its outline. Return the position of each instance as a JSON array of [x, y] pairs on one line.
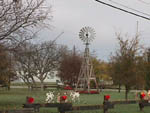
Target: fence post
[[105, 104], [63, 107], [141, 102]]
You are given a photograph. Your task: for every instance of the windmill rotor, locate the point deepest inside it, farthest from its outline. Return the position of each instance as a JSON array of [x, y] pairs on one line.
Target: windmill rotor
[[87, 34]]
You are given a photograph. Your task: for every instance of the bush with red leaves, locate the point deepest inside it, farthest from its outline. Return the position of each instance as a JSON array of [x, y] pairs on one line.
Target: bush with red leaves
[[94, 92], [68, 88], [86, 92]]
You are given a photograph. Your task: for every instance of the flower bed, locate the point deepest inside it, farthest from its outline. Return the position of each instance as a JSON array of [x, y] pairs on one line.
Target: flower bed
[[86, 92], [94, 92], [62, 97], [68, 88]]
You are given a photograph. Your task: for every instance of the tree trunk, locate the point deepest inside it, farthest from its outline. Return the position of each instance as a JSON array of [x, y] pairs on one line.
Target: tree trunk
[[119, 88], [126, 95], [29, 87], [28, 83], [126, 92], [8, 84], [42, 85], [8, 87]]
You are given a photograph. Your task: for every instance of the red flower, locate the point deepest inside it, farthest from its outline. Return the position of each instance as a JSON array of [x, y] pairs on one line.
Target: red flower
[[30, 100], [143, 95], [107, 97], [63, 97]]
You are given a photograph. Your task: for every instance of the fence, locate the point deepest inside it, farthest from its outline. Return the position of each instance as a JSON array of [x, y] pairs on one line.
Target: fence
[[29, 110], [69, 108], [106, 106], [4, 86], [52, 85]]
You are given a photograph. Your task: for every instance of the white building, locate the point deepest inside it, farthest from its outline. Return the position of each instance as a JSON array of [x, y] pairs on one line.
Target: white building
[[50, 78]]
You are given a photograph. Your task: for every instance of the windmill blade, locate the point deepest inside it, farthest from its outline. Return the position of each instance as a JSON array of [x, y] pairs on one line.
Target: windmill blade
[[83, 34]]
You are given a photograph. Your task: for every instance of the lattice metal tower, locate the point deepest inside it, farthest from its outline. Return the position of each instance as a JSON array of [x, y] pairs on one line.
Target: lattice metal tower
[[86, 73]]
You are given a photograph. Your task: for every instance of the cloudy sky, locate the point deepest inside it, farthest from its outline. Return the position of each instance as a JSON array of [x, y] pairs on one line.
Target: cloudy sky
[[69, 16]]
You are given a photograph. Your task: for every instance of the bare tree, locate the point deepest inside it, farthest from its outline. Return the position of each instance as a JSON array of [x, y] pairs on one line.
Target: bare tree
[[125, 63], [46, 60], [19, 18], [37, 61], [7, 73], [70, 66], [24, 64]]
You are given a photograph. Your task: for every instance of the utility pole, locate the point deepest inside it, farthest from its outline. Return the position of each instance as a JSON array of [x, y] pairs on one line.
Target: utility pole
[[137, 30], [147, 78]]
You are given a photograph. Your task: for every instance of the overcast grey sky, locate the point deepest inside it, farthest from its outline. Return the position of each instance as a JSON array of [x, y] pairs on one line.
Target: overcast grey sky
[[71, 15]]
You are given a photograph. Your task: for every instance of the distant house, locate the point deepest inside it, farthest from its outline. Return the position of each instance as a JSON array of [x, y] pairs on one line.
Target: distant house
[[51, 78]]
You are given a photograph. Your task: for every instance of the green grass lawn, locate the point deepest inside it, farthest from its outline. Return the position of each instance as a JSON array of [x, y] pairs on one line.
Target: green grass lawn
[[14, 99]]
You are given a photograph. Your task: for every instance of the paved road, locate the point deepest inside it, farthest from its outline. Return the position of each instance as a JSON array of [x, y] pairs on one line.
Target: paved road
[[121, 90], [18, 87], [93, 89]]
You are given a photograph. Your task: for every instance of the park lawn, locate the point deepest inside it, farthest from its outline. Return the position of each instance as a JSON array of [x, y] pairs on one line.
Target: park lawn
[[14, 99]]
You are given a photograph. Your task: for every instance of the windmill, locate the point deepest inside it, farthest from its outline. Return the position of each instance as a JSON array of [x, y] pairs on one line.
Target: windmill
[[86, 74]]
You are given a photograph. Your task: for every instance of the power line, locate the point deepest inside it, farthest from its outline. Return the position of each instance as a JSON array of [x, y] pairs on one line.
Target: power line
[[129, 8], [58, 36], [123, 10], [144, 2]]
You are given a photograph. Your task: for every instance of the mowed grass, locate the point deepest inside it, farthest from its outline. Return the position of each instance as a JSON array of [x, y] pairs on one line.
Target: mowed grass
[[14, 99]]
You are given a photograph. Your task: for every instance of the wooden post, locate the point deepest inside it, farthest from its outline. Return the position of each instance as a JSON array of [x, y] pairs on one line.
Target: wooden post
[[141, 105], [105, 104], [63, 107]]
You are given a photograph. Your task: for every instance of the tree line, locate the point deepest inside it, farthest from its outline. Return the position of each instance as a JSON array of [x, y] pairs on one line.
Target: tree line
[[128, 66], [20, 21]]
